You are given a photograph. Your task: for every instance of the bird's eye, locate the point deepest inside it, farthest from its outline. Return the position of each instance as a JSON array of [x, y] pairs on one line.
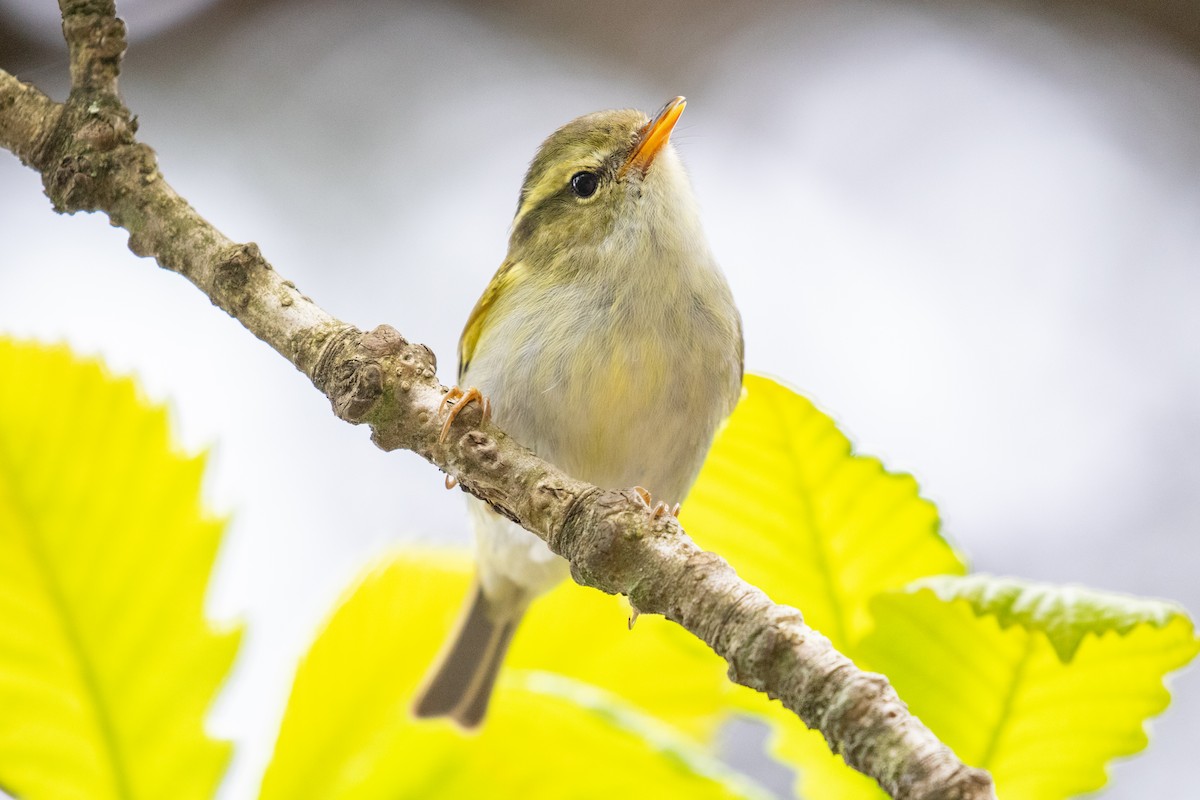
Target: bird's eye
[[584, 184]]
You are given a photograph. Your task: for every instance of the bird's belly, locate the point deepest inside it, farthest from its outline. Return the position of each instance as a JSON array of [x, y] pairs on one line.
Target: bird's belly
[[613, 405]]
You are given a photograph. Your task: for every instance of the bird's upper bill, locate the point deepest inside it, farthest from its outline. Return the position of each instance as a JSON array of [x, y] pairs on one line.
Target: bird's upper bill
[[653, 137]]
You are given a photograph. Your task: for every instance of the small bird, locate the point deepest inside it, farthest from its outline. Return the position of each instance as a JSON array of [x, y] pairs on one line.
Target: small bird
[[607, 342]]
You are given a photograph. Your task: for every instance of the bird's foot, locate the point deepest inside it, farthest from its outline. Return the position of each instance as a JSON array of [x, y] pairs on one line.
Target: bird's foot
[[455, 401], [657, 509]]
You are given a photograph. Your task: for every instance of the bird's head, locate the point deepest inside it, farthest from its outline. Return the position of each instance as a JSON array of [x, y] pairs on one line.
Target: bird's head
[[602, 181]]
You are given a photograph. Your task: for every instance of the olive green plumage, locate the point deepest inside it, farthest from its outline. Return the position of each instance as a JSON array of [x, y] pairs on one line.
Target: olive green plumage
[[608, 342]]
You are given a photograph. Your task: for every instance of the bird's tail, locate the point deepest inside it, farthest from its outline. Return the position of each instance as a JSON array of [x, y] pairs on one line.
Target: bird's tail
[[460, 682]]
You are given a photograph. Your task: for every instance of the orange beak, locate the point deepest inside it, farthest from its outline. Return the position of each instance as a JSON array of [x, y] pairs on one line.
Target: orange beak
[[653, 136]]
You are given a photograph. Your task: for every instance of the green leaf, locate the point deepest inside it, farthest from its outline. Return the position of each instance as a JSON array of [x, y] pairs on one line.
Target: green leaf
[[347, 732], [107, 665], [657, 666], [994, 686], [1066, 614], [785, 500], [992, 683], [820, 773]]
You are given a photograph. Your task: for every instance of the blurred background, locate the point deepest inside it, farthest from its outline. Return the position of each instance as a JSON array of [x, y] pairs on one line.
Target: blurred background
[[970, 231]]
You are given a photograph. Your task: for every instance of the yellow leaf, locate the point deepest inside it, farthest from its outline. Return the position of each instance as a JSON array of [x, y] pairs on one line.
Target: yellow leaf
[[107, 665], [785, 500], [658, 666], [980, 661], [988, 677], [347, 732], [820, 774]]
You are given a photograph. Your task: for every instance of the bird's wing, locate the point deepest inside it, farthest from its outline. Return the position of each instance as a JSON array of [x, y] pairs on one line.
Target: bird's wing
[[473, 330]]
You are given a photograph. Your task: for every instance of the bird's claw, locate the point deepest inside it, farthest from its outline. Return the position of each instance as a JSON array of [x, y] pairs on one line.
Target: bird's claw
[[657, 509], [455, 400]]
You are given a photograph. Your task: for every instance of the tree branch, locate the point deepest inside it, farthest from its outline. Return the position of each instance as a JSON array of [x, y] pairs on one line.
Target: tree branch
[[89, 159]]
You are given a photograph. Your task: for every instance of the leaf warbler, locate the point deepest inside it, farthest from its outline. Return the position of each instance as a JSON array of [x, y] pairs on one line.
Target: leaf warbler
[[608, 343]]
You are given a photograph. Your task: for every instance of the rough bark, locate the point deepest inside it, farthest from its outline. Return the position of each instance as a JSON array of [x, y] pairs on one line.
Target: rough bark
[[88, 156]]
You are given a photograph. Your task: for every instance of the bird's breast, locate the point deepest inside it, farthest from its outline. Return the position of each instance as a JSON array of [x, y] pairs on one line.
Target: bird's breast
[[619, 385]]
